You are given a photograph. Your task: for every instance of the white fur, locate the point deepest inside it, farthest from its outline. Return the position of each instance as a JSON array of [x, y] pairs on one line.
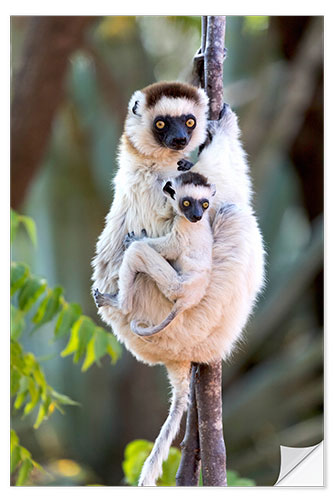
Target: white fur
[[209, 331]]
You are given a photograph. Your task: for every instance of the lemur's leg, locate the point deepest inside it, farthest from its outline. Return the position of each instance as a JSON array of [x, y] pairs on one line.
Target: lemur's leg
[[141, 258]]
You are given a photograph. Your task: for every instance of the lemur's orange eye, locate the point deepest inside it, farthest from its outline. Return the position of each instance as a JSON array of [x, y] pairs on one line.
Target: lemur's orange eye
[[186, 203], [205, 204], [160, 124], [190, 122]]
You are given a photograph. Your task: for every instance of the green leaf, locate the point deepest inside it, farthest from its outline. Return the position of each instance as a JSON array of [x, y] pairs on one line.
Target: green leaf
[[39, 377], [16, 355], [86, 331], [114, 348], [63, 399], [43, 412], [14, 224], [49, 306], [90, 355], [17, 322], [15, 378], [136, 453], [24, 472], [14, 441], [82, 332], [66, 319], [170, 467], [23, 392], [96, 348], [30, 292], [15, 454], [30, 227], [18, 275], [35, 394], [73, 342], [15, 458], [102, 342], [27, 222]]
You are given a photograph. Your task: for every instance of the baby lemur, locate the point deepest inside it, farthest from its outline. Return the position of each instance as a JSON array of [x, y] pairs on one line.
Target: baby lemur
[[180, 262]]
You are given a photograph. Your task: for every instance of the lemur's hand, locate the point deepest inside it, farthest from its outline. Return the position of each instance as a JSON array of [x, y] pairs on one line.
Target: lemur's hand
[[130, 238], [184, 165], [213, 125]]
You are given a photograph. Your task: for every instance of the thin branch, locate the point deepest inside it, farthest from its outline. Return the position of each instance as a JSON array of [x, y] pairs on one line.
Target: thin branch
[[214, 56], [189, 469]]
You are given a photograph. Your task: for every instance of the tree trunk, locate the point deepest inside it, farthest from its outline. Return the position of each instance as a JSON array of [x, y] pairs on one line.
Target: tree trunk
[[38, 90]]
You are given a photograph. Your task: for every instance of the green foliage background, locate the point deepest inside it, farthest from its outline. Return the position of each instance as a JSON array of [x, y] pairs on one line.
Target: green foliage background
[[34, 304]]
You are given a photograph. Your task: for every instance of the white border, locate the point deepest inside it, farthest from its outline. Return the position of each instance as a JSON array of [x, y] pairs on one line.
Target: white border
[[146, 8]]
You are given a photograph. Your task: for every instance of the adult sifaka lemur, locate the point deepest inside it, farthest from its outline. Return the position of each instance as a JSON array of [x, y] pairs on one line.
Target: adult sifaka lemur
[[165, 122]]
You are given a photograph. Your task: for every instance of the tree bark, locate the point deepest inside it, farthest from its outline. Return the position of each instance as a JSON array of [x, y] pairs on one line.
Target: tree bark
[[208, 391], [38, 90], [189, 468], [213, 64]]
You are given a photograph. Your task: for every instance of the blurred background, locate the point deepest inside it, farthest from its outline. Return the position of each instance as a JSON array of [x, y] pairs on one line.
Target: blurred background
[[71, 80]]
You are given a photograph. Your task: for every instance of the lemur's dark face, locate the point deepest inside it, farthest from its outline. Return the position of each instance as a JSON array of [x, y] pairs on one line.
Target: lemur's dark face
[[190, 195], [192, 208], [174, 132]]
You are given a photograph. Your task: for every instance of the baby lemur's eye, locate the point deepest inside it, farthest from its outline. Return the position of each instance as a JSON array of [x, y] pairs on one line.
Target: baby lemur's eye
[[186, 203], [160, 124], [205, 204], [190, 122]]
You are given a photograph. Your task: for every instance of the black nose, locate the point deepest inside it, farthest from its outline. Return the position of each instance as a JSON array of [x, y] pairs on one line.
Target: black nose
[[178, 141], [196, 218]]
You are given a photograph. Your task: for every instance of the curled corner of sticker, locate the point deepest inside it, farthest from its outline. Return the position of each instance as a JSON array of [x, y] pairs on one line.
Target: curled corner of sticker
[[301, 466]]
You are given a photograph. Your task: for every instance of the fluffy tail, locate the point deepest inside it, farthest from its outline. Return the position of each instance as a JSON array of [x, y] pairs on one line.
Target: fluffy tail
[[179, 374], [152, 330]]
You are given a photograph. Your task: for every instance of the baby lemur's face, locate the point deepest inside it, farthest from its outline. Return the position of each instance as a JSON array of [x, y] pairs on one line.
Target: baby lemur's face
[[190, 195]]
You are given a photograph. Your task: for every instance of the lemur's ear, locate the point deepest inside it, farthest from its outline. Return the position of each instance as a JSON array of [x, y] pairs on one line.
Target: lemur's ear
[[136, 102], [168, 190], [135, 107], [213, 189]]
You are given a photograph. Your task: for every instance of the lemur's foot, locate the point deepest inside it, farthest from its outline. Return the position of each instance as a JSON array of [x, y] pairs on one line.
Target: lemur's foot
[[130, 238], [184, 165], [105, 299]]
